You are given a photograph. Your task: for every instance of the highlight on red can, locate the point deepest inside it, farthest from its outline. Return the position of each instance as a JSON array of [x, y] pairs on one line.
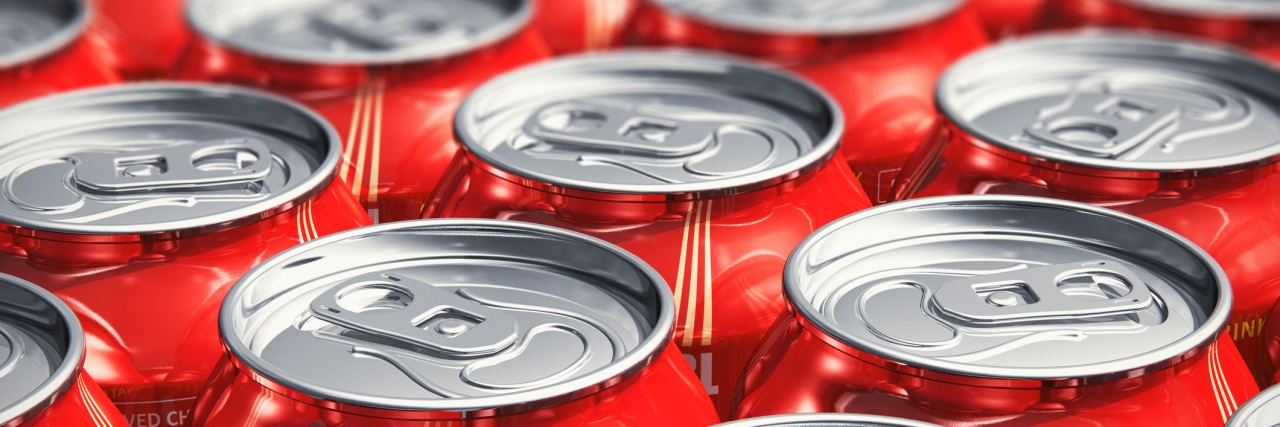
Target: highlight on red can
[[825, 420], [42, 381], [140, 205], [878, 59], [452, 322], [710, 169], [388, 75], [1252, 25], [47, 49], [1007, 310], [1176, 132], [573, 26], [144, 38]]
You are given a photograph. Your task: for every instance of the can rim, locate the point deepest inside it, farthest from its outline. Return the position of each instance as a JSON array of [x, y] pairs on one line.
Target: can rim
[[323, 174], [1241, 417], [798, 419], [612, 374], [822, 151], [756, 26], [59, 40], [511, 26], [1213, 9], [1201, 48], [1169, 355], [61, 379]]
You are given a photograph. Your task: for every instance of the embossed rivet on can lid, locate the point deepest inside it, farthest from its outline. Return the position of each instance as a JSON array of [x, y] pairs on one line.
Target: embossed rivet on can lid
[[358, 31], [1118, 101], [1262, 410], [1084, 293], [824, 17], [41, 347], [651, 123], [153, 158], [1214, 8], [826, 420], [32, 29], [450, 315]]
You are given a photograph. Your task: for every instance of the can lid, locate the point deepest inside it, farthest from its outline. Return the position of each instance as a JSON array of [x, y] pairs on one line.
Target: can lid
[[41, 347], [826, 420], [32, 29], [449, 315], [651, 123], [152, 158], [1262, 410], [1010, 287], [358, 31], [1118, 101], [1249, 8], [820, 17]]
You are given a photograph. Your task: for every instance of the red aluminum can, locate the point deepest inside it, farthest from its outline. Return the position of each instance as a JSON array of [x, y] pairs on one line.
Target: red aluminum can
[[388, 75], [825, 420], [42, 380], [451, 323], [681, 159], [1003, 311], [571, 26], [145, 37], [140, 205], [45, 48], [878, 59], [1252, 25], [1174, 132], [1007, 18]]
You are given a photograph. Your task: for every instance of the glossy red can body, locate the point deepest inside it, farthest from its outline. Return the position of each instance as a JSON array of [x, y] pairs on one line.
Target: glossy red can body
[[722, 256], [1259, 34], [400, 113], [144, 37], [235, 397], [79, 62], [571, 26], [83, 404], [882, 80], [799, 368], [1006, 18]]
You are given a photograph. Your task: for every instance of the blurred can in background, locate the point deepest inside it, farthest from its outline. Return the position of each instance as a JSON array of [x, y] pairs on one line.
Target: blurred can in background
[[878, 59], [571, 26], [1001, 310], [1008, 18], [45, 48], [387, 74], [145, 37], [1262, 410], [826, 420], [42, 381], [1178, 133], [452, 323], [709, 169], [140, 205], [1253, 25]]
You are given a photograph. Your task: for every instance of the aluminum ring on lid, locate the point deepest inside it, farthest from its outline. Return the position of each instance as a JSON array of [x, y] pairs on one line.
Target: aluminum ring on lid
[[1118, 101], [825, 17], [1010, 287], [32, 29], [826, 420], [41, 349], [358, 31], [449, 315], [1262, 410], [1235, 8], [651, 123], [152, 158]]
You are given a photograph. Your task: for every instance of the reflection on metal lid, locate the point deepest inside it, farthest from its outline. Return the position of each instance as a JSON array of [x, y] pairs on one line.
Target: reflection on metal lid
[[828, 17], [449, 315], [646, 122], [1263, 410], [32, 29], [41, 346], [1215, 8]]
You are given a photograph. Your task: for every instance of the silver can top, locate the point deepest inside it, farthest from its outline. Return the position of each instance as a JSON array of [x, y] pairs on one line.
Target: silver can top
[[1262, 410], [1232, 8], [1010, 287], [450, 315], [358, 31], [651, 123], [1118, 101], [41, 347], [151, 158], [823, 17], [33, 29], [826, 420]]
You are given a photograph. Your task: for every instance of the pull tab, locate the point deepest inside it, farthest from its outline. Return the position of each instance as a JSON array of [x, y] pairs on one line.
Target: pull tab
[[416, 313], [598, 127], [16, 351], [1062, 291], [198, 164]]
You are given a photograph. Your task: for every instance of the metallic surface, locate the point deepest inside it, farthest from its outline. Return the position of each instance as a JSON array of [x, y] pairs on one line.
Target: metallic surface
[[33, 29], [650, 123], [1118, 101], [827, 17], [158, 158], [358, 31], [826, 420], [42, 347], [449, 315], [1256, 8], [1262, 410]]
